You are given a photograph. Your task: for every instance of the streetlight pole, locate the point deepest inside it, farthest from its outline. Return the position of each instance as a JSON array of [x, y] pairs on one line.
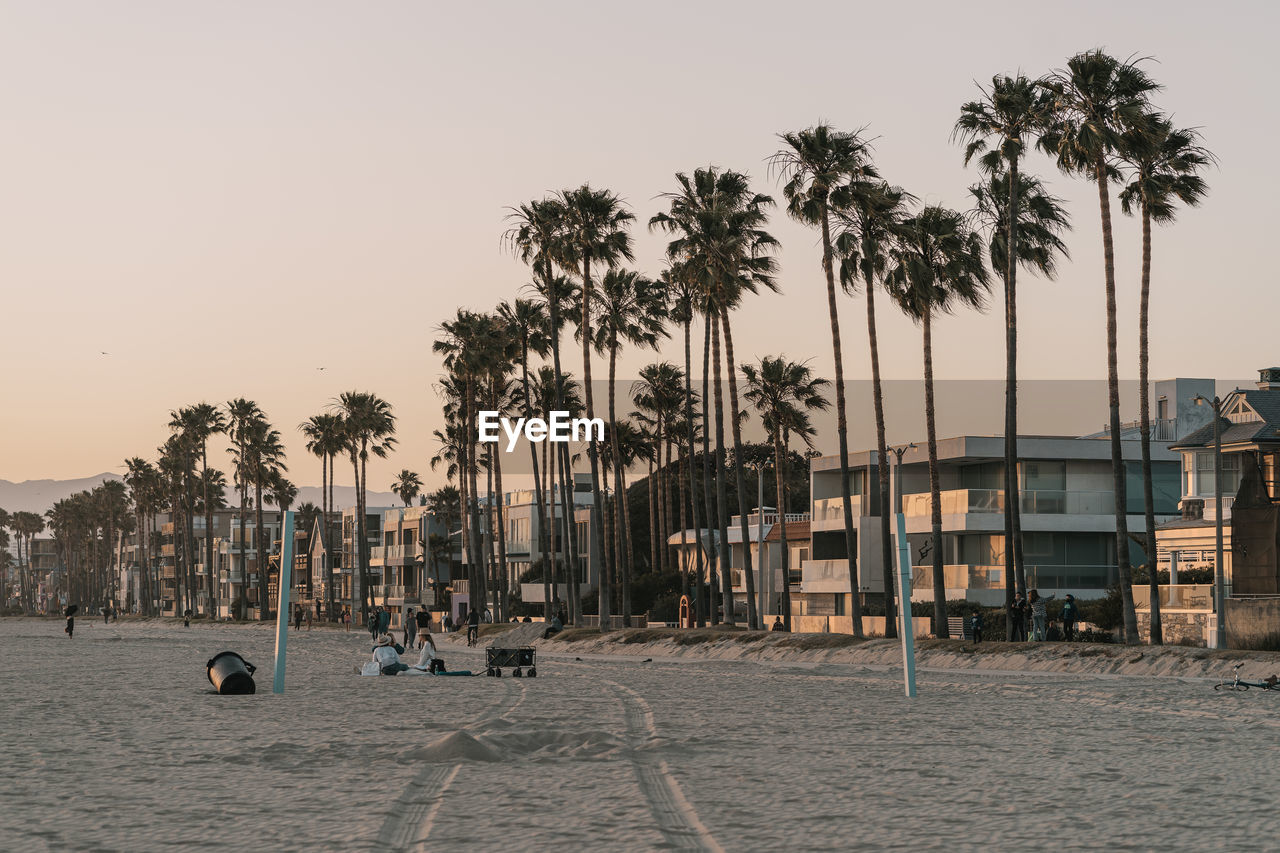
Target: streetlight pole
[[904, 581], [1219, 570]]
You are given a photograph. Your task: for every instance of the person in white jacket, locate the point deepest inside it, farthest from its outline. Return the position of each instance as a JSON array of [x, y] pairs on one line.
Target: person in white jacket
[[387, 656]]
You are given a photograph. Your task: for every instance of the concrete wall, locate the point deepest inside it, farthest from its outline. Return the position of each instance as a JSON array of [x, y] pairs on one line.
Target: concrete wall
[[1180, 627], [1253, 623]]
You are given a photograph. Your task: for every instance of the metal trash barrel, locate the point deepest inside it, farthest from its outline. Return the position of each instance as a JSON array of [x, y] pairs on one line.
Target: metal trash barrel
[[230, 674]]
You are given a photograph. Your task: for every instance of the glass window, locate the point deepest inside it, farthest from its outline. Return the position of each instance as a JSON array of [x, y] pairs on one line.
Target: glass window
[[1204, 474], [1230, 473], [1188, 467], [1044, 475]]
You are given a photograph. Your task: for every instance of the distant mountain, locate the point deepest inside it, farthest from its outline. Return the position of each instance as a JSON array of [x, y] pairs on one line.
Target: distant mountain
[[40, 495]]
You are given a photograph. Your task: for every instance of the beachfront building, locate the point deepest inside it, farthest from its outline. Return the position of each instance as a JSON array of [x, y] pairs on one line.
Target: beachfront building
[[764, 541], [348, 579], [323, 551], [1068, 520], [411, 575], [1250, 438], [518, 514], [237, 569]]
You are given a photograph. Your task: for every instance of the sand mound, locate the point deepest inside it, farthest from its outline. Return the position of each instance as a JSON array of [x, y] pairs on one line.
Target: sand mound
[[452, 748]]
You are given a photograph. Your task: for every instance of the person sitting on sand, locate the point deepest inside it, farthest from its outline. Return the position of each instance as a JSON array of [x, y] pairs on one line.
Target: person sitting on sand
[[554, 628], [386, 654], [429, 660]]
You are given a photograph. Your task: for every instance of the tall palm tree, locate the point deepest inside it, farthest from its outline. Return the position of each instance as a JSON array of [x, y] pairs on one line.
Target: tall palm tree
[[937, 267], [783, 393], [997, 128], [407, 486], [325, 437], [243, 418], [527, 322], [629, 309], [718, 225], [1164, 163], [200, 422], [594, 225], [537, 237], [868, 225], [817, 165], [1096, 98], [369, 427], [266, 458], [1040, 222]]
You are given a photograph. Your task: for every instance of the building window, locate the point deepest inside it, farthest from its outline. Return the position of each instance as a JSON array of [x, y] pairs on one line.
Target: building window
[[1205, 474], [1162, 408]]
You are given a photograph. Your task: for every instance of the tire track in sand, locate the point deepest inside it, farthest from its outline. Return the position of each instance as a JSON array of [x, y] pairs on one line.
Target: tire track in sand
[[677, 819], [409, 825]]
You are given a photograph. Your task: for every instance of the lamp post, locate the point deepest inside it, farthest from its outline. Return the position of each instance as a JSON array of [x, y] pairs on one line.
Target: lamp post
[[904, 580], [1219, 572]]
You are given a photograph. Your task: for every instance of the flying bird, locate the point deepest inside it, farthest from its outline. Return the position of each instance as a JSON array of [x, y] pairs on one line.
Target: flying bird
[[103, 353], [319, 368]]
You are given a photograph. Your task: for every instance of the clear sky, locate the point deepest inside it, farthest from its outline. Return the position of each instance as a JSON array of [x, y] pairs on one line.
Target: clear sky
[[227, 196]]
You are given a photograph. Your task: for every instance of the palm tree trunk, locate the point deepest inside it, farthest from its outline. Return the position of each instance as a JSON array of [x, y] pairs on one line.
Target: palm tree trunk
[[1113, 402], [707, 610], [537, 478], [660, 494], [562, 453], [626, 549], [490, 564], [722, 498], [842, 428], [262, 543], [779, 473], [882, 463], [622, 560], [597, 509], [1144, 406], [502, 539], [753, 615], [550, 592], [689, 455], [685, 482], [244, 556], [208, 530], [940, 629]]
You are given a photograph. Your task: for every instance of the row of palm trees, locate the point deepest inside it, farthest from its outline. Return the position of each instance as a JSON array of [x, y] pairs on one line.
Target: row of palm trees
[[1094, 117]]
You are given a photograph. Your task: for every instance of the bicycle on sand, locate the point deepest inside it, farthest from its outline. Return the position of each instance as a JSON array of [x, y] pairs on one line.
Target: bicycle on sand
[[1236, 684]]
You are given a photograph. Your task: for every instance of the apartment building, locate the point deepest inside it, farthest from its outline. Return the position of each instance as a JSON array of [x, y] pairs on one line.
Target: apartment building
[[1067, 506]]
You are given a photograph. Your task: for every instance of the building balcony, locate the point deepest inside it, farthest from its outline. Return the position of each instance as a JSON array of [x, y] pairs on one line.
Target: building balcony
[[1034, 502], [824, 576], [828, 513], [1047, 579]]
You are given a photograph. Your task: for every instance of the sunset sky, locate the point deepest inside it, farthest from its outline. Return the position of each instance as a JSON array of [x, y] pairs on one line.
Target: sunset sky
[[225, 197]]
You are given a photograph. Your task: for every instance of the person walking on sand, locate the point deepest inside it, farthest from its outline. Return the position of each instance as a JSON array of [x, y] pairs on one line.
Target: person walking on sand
[[297, 617], [308, 616], [186, 618], [975, 626], [346, 619], [1070, 615], [423, 621], [1039, 615], [374, 618], [71, 621], [410, 624]]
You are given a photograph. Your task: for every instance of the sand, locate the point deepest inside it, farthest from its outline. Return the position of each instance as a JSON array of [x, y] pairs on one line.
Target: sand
[[114, 741]]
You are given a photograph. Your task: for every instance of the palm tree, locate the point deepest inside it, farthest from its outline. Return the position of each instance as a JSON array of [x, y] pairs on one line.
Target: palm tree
[[594, 229], [817, 164], [937, 266], [243, 417], [629, 309], [325, 440], [1039, 224], [527, 322], [868, 225], [718, 225], [369, 428], [265, 455], [1096, 98], [537, 237], [1163, 163], [783, 393], [408, 485], [997, 127], [200, 422]]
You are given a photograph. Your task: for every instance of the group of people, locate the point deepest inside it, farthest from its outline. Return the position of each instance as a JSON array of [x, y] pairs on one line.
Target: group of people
[[1034, 606]]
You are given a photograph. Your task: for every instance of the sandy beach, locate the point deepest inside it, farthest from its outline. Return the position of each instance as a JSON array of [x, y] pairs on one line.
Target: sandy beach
[[114, 741]]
